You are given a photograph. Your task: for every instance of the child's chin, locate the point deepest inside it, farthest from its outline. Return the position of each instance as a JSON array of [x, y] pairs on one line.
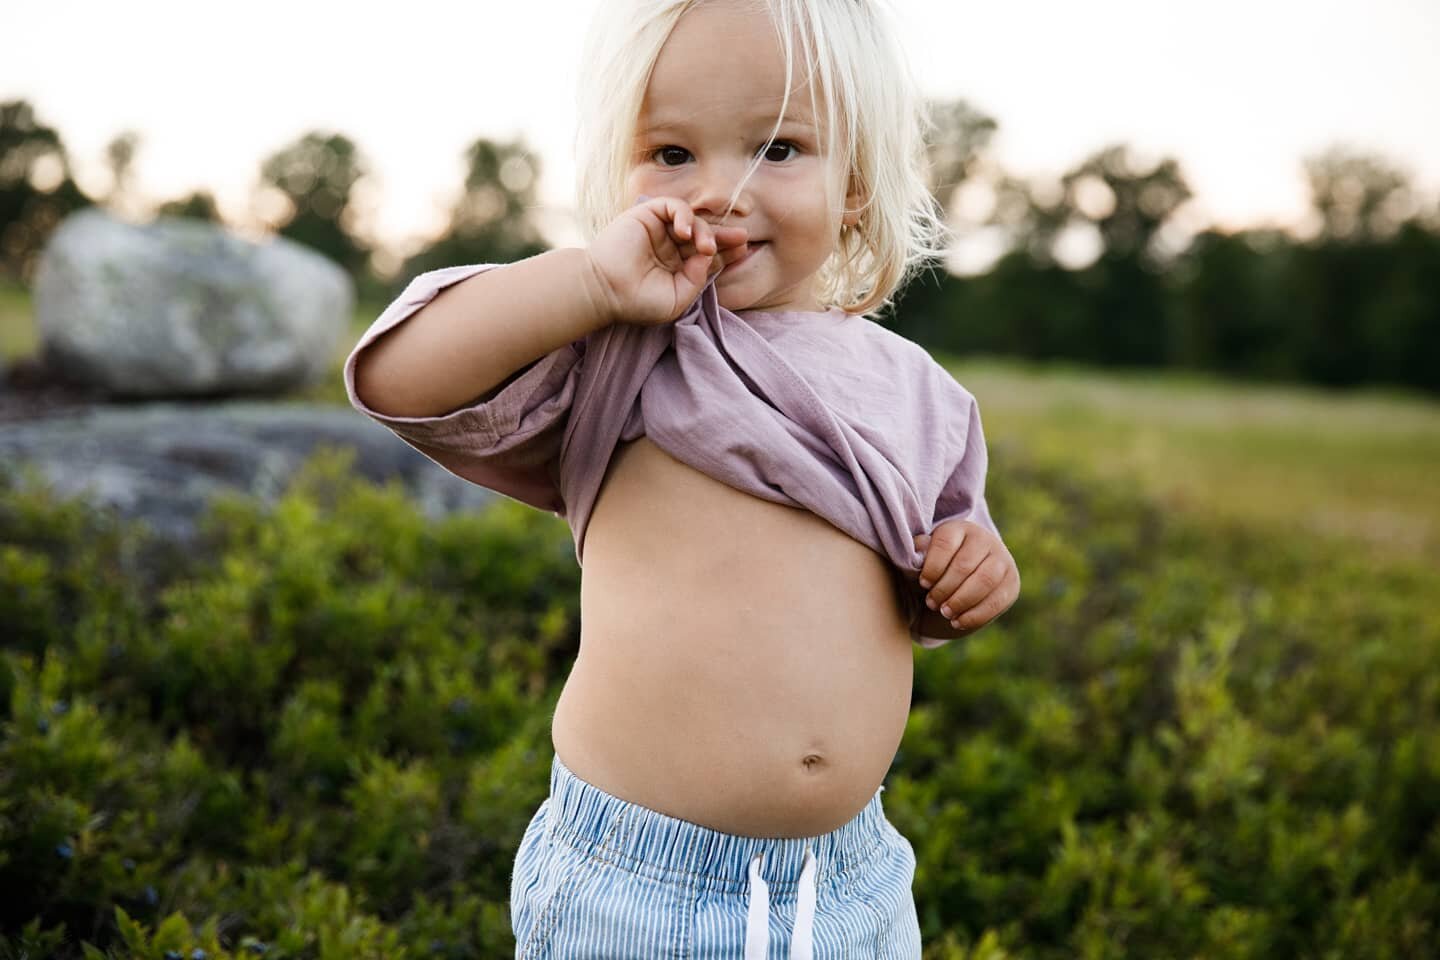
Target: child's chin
[[732, 299]]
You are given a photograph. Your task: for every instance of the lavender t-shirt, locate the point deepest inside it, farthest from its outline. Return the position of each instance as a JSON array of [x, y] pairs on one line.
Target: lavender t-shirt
[[827, 411]]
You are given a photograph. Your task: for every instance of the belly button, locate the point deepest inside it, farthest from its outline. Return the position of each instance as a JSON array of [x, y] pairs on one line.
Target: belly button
[[813, 762]]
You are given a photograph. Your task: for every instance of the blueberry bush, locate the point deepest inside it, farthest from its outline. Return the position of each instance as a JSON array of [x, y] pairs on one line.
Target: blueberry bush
[[321, 732]]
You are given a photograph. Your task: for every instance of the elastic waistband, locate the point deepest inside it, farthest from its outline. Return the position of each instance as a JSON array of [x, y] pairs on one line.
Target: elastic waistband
[[655, 844]]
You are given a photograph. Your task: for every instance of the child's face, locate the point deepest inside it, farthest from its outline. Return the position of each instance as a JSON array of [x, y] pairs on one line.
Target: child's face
[[712, 100]]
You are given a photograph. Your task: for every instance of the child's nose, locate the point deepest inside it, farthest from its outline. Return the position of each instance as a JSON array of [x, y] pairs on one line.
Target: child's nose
[[713, 186]]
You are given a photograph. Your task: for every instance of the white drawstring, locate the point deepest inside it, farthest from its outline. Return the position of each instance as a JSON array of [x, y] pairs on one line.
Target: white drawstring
[[801, 937], [757, 928]]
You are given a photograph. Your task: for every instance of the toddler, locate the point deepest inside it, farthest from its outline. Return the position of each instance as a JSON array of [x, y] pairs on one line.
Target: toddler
[[772, 496]]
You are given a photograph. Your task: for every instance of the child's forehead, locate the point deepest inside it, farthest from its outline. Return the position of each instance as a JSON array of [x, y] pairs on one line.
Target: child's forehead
[[698, 78], [697, 110], [727, 43]]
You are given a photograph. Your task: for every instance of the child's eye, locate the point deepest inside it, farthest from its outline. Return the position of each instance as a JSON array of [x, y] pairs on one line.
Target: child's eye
[[671, 151], [780, 145]]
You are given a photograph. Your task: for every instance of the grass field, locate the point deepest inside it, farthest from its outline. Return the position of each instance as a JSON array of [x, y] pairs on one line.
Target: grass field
[[1360, 466], [17, 330]]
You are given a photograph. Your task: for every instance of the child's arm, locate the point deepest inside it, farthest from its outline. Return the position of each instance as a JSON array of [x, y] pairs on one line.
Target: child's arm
[[963, 545], [478, 333], [482, 379]]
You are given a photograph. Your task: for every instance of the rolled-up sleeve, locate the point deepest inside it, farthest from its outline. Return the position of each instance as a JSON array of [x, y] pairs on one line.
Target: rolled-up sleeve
[[508, 440], [963, 495]]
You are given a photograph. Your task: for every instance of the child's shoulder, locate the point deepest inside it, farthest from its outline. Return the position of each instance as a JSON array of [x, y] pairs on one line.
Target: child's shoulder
[[909, 358], [892, 343]]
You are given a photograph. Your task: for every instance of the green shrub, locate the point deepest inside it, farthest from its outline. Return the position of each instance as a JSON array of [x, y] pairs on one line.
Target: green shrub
[[322, 732]]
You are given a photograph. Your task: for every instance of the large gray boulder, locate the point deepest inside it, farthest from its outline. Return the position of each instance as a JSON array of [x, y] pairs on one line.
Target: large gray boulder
[[162, 463], [181, 307]]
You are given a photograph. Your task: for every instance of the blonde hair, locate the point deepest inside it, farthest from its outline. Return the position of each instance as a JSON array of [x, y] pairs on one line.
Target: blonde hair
[[871, 114]]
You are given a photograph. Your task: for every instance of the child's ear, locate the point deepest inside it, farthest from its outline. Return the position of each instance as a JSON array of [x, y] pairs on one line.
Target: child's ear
[[854, 201]]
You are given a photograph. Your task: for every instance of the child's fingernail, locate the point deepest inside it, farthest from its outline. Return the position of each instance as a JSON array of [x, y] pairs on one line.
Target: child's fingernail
[[930, 602], [925, 583], [945, 611]]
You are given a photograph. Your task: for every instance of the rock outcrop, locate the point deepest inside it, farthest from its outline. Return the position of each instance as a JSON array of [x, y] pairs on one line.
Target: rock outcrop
[[150, 335], [185, 308], [163, 462]]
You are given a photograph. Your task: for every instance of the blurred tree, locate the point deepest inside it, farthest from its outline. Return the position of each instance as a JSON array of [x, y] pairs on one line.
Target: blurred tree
[[1359, 196], [959, 135], [1034, 310], [1362, 300], [1399, 323], [315, 176], [1033, 214], [1360, 303], [1429, 218], [1017, 307], [1112, 311], [1229, 303], [36, 188], [491, 221], [120, 155], [199, 205], [1331, 282], [1126, 200]]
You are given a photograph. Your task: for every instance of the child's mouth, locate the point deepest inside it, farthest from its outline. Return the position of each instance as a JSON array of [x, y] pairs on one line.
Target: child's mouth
[[750, 250]]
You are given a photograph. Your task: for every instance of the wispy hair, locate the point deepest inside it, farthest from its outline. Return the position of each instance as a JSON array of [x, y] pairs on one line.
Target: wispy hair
[[862, 93]]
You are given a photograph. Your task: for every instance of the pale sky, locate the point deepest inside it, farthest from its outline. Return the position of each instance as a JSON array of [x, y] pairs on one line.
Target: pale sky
[[1239, 90]]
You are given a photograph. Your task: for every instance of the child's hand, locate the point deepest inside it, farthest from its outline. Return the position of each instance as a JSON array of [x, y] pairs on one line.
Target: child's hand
[[969, 574], [653, 260]]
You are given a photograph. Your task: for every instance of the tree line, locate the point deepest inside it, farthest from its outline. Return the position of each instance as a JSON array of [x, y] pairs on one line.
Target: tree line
[[1356, 302]]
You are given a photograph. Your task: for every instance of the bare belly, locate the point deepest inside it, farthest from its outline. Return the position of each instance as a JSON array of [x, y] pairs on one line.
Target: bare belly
[[743, 665]]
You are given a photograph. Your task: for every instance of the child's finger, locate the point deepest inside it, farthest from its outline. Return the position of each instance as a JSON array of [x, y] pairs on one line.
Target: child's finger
[[670, 239], [680, 215], [675, 214], [991, 606], [946, 591], [713, 261], [730, 254], [704, 237], [939, 546], [933, 563], [679, 233], [696, 271], [980, 600], [730, 236], [660, 232]]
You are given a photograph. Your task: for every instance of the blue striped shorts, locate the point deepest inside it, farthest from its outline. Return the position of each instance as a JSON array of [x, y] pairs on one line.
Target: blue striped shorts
[[600, 877]]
